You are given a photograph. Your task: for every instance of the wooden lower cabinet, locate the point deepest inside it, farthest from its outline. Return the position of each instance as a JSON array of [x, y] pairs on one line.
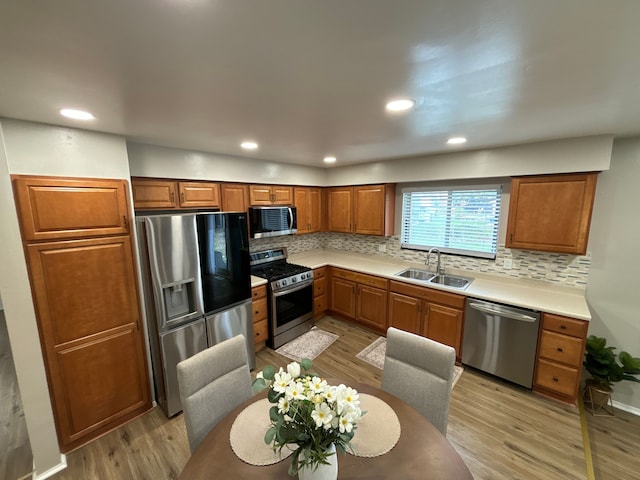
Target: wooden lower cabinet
[[360, 297], [86, 299], [428, 312], [404, 312], [319, 292], [559, 361], [260, 316], [444, 324]]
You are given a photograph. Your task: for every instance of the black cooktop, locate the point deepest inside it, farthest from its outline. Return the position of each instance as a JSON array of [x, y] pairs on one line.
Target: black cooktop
[[277, 270]]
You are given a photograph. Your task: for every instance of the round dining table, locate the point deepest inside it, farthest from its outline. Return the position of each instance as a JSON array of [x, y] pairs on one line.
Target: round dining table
[[422, 452]]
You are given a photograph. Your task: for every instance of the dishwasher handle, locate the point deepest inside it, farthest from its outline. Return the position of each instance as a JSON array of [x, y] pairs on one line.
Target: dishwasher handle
[[487, 308]]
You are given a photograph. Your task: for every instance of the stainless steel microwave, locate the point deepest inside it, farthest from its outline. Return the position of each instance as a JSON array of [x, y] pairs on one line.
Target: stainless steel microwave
[[272, 221]]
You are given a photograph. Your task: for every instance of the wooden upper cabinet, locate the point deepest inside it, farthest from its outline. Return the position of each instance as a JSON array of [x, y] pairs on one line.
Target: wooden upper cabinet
[[373, 208], [234, 197], [58, 208], [308, 203], [199, 194], [153, 194], [340, 209], [270, 195], [551, 212], [364, 209], [150, 194]]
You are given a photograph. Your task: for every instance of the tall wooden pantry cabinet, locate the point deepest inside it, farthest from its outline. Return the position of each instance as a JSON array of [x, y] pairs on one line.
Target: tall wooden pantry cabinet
[[78, 245]]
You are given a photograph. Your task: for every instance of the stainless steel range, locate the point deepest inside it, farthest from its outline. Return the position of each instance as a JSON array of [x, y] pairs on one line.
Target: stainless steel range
[[289, 294]]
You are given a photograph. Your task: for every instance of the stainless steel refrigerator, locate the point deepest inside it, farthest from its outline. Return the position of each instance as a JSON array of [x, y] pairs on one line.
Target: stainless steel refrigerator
[[197, 290]]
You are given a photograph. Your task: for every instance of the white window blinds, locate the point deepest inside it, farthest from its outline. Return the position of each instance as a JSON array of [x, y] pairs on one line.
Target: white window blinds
[[462, 221]]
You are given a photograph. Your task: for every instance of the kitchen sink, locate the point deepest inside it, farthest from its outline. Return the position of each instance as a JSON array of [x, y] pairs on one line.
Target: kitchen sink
[[415, 274], [454, 281]]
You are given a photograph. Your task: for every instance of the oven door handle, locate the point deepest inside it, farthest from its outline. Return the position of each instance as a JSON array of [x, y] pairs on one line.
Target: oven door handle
[[300, 286]]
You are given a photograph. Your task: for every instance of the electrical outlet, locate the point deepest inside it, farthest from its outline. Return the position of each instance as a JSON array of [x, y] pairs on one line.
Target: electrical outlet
[[382, 248], [508, 263]]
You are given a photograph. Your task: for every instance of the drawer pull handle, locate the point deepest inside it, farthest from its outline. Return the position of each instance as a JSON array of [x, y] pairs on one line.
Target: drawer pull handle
[[563, 327], [556, 379], [559, 349]]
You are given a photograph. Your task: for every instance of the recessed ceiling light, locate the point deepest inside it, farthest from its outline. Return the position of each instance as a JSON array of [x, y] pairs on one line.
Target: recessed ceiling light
[[76, 114], [329, 160], [400, 104], [456, 140], [249, 145]]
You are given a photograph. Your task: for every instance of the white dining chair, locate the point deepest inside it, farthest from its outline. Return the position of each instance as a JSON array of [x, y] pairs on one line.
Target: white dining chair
[[212, 383], [420, 372]]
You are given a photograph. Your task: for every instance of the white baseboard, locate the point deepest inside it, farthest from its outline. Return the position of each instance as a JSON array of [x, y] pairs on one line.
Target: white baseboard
[[626, 408], [52, 471]]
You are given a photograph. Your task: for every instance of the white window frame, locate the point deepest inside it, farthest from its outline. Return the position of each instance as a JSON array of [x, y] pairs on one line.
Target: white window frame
[[406, 223]]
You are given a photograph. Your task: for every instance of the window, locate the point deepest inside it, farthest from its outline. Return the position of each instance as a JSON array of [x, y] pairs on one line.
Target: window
[[461, 220]]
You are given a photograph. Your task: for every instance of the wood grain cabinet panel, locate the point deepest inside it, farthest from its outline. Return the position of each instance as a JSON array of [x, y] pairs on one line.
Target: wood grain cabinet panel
[[551, 212], [270, 195], [56, 208], [559, 359], [371, 307], [444, 324], [85, 294], [149, 194], [343, 297], [363, 209], [199, 194], [404, 312], [320, 289], [260, 316], [308, 203], [234, 197]]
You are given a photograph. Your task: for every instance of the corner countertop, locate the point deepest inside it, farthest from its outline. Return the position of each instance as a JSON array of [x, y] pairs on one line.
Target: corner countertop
[[533, 294]]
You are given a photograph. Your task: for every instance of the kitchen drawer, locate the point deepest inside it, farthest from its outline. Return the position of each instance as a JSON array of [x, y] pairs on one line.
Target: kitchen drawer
[[564, 325], [319, 286], [561, 348], [319, 272], [556, 377], [361, 278], [259, 310], [260, 331], [259, 292], [429, 294], [319, 306]]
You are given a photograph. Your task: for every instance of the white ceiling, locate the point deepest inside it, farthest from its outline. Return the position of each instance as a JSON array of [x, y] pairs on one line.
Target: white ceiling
[[308, 78]]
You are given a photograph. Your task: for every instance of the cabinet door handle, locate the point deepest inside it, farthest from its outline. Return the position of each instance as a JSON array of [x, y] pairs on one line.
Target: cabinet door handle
[[173, 197], [126, 222], [182, 197], [563, 327], [556, 379], [559, 349]]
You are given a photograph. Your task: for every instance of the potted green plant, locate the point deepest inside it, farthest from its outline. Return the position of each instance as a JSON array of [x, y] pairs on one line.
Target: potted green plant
[[606, 368]]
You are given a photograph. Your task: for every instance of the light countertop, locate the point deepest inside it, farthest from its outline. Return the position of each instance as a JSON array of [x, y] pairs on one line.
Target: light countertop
[[533, 294]]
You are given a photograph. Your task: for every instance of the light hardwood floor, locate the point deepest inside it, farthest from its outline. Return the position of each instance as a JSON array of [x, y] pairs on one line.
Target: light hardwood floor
[[15, 450], [501, 431]]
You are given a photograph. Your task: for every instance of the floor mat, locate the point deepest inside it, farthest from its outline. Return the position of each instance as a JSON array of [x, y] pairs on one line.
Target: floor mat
[[308, 345]]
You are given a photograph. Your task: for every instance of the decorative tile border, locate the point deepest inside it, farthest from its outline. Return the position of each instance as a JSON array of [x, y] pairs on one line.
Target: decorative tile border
[[556, 268]]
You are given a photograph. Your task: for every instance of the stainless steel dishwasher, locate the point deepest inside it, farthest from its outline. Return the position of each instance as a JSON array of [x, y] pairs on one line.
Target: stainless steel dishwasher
[[501, 340]]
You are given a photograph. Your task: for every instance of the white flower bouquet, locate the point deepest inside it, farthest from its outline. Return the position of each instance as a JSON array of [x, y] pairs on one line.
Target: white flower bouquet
[[308, 413]]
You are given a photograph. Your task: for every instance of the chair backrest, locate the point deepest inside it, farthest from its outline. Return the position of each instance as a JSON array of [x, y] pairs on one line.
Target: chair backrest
[[212, 383], [420, 372]]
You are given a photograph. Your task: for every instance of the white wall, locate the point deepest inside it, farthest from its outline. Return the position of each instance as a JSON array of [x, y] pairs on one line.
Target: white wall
[[612, 291], [584, 154], [153, 161], [29, 148]]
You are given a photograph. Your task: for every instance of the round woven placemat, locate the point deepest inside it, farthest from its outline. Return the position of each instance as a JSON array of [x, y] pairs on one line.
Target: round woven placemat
[[377, 433], [378, 430]]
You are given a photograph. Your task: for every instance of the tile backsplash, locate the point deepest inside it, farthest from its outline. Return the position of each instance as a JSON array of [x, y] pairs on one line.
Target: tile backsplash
[[556, 268]]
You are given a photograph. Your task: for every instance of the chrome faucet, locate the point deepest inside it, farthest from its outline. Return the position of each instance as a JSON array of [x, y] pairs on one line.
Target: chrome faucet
[[439, 267]]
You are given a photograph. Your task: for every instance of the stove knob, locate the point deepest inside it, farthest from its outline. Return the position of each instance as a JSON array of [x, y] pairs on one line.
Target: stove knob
[[283, 283], [294, 280]]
